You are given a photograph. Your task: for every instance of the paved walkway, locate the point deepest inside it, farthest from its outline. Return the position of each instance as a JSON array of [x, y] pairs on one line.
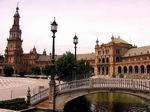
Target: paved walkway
[[14, 87]]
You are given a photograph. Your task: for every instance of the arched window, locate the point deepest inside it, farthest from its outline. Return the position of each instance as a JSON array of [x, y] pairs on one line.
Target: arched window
[[103, 60], [99, 69], [117, 59], [107, 70], [142, 68], [148, 68], [103, 70], [125, 69], [130, 69], [136, 69], [119, 69], [99, 60], [107, 60]]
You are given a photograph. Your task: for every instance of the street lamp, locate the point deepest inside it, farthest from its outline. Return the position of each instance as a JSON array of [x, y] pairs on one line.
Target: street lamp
[[75, 41], [52, 81]]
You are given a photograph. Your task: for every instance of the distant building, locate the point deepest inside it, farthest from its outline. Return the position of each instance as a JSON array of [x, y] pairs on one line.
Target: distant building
[[14, 52], [21, 61], [119, 57], [90, 57], [113, 58]]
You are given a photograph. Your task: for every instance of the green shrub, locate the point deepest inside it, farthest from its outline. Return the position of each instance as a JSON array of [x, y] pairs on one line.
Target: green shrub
[[8, 70], [114, 75], [121, 75], [14, 104], [22, 73]]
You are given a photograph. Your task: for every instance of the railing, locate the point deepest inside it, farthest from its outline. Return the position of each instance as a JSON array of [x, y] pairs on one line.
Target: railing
[[106, 83], [39, 96], [97, 83]]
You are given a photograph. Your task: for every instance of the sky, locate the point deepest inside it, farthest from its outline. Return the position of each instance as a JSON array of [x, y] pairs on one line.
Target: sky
[[89, 19]]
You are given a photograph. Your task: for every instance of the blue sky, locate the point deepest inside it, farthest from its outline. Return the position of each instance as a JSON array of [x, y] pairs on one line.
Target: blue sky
[[90, 19]]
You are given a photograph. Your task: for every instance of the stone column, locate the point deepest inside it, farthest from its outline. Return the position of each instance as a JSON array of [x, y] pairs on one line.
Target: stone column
[[96, 72], [28, 97], [52, 92]]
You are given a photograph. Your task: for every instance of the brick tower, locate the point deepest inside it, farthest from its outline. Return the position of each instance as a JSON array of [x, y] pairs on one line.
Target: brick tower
[[14, 52]]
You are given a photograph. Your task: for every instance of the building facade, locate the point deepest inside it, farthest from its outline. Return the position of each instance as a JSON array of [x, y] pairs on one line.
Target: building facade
[[21, 61], [14, 52], [113, 58], [120, 57]]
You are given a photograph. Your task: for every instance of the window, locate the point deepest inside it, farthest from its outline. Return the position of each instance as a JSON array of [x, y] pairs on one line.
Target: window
[[99, 60], [142, 68], [136, 69], [119, 69], [125, 69], [117, 59], [117, 51], [107, 60], [107, 51], [103, 60], [103, 52], [130, 69]]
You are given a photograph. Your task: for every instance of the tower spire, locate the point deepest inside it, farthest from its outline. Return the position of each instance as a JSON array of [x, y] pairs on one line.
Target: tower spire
[[17, 11], [17, 8], [97, 41]]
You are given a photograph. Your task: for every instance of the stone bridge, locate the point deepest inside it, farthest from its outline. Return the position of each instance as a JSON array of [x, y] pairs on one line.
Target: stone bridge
[[71, 90], [68, 91]]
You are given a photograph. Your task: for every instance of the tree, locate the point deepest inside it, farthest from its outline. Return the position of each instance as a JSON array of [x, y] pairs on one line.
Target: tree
[[47, 70], [36, 70], [65, 66], [84, 69], [1, 58], [8, 70]]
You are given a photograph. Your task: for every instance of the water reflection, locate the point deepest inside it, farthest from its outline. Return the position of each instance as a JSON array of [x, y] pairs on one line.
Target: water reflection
[[108, 102], [80, 104]]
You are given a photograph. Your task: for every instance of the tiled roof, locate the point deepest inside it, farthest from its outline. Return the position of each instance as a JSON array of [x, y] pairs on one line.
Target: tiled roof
[[89, 56], [118, 40], [58, 56], [138, 51], [44, 58]]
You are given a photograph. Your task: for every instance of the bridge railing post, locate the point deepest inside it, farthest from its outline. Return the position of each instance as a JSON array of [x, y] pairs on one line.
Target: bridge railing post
[[28, 97], [91, 83]]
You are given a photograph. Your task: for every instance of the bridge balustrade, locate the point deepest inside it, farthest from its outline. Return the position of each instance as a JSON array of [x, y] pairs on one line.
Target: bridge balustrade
[[106, 83], [39, 96]]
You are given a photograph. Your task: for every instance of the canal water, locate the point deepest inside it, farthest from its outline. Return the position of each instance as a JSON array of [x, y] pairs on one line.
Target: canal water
[[108, 102]]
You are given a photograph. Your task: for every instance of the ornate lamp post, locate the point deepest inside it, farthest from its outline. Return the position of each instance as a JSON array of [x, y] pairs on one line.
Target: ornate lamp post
[[52, 81], [75, 41]]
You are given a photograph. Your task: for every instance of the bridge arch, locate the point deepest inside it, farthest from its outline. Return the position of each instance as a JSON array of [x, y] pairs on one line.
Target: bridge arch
[[74, 89], [103, 91]]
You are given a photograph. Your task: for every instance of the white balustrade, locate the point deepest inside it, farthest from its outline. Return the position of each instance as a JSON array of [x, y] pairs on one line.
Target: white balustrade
[[39, 96], [107, 83]]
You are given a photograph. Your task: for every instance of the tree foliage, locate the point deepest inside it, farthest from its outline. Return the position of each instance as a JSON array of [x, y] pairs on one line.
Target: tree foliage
[[1, 58], [65, 66], [8, 70], [84, 69], [47, 70], [36, 70]]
